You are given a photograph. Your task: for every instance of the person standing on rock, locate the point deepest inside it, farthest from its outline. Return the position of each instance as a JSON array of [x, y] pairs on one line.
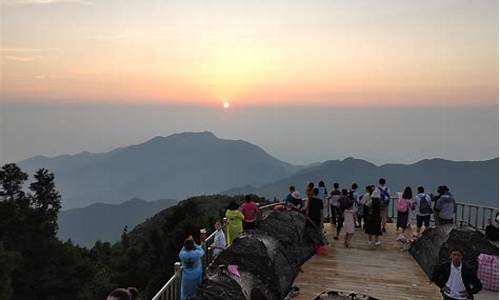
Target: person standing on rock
[[250, 211], [456, 281], [234, 222]]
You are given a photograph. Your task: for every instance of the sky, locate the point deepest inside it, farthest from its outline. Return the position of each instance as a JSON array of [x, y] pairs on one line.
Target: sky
[[299, 76]]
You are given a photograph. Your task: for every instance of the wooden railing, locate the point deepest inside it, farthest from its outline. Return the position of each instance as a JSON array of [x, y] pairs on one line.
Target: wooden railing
[[171, 290]]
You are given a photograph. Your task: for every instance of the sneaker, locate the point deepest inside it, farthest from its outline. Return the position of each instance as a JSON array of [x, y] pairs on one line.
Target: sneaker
[[378, 243]]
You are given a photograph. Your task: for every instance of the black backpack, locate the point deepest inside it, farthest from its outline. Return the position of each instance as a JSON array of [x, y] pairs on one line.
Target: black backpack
[[425, 207]]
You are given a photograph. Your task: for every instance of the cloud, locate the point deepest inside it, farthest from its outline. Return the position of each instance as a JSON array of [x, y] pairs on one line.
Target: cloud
[[22, 58], [44, 2], [26, 50]]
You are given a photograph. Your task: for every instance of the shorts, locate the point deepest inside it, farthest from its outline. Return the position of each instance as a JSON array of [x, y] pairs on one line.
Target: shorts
[[426, 220]]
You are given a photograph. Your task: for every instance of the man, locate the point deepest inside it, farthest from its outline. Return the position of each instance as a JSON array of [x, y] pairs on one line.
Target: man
[[446, 206], [423, 208], [385, 200], [456, 281], [334, 202], [288, 197]]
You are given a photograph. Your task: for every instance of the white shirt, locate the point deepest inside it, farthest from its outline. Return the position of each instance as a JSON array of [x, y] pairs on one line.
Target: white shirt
[[219, 242], [455, 283]]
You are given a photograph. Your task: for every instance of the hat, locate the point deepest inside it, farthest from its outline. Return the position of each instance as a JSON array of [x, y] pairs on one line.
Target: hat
[[296, 195]]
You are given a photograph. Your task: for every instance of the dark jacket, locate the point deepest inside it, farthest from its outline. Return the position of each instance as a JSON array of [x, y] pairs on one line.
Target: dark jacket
[[441, 274]]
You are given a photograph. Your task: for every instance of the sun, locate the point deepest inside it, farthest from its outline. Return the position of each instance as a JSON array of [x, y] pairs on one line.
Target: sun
[[226, 104]]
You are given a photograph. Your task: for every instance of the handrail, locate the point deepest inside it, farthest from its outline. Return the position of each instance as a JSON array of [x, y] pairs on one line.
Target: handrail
[[171, 290], [472, 215]]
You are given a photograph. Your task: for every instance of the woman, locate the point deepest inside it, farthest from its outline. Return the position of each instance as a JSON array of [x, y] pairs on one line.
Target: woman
[[219, 243], [234, 222], [373, 220], [192, 271], [323, 195], [249, 210], [404, 203], [309, 190], [349, 223]]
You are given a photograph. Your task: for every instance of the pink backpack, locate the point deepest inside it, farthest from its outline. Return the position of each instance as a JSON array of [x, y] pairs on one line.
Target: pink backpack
[[403, 205]]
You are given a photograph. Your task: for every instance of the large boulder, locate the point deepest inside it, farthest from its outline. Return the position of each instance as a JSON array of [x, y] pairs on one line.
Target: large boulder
[[433, 247], [268, 259]]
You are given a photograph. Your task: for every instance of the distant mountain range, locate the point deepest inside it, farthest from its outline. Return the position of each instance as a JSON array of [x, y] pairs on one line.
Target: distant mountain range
[[105, 222], [470, 181], [173, 167], [189, 164]]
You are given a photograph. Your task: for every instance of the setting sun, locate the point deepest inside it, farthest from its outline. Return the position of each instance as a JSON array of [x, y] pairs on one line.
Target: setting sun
[[226, 104]]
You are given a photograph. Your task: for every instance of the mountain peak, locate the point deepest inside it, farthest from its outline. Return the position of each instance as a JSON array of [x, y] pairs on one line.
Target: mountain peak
[[183, 135]]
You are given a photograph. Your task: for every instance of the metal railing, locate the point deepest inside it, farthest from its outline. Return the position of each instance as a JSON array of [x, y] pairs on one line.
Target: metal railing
[[475, 216], [171, 290]]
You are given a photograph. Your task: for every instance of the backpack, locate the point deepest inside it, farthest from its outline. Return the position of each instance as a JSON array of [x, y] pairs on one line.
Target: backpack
[[403, 205], [424, 207], [384, 196]]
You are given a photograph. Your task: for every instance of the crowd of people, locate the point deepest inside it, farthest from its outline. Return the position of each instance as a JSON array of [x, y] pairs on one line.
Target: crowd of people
[[348, 208]]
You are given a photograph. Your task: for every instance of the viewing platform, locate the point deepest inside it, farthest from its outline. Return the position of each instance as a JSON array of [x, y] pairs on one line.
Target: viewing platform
[[387, 271], [383, 272]]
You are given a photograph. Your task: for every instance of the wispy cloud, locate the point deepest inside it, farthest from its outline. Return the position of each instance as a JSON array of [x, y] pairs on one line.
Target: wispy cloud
[[44, 2], [26, 50], [22, 58]]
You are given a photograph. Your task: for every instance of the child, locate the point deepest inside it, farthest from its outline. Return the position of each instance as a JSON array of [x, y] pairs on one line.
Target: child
[[349, 223]]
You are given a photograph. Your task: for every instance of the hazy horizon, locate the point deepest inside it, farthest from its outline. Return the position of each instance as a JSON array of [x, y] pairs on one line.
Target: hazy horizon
[[390, 81], [299, 135]]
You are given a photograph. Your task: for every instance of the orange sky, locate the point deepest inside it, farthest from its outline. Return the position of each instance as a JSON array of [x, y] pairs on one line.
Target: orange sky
[[355, 53]]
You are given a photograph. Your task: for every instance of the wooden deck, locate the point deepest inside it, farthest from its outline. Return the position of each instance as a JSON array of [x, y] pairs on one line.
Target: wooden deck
[[385, 272]]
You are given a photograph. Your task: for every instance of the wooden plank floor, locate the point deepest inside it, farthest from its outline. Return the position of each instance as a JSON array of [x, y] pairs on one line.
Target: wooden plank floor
[[385, 272]]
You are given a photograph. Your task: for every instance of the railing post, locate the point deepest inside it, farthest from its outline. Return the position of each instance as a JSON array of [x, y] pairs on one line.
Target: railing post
[[462, 219], [178, 278], [477, 215]]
